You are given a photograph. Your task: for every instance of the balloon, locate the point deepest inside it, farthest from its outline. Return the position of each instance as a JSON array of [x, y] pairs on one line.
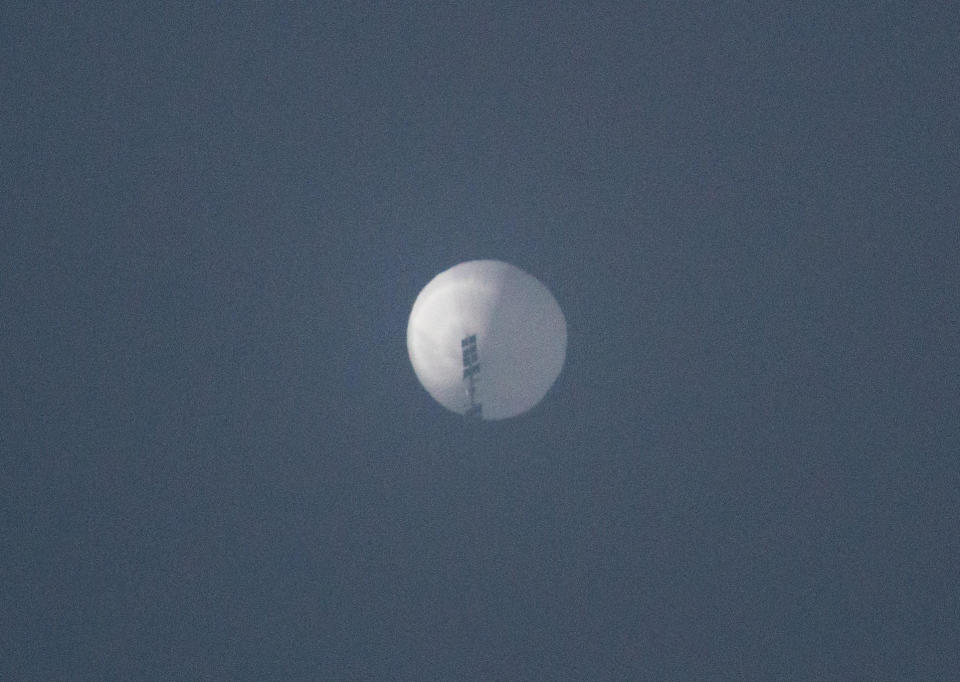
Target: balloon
[[486, 339]]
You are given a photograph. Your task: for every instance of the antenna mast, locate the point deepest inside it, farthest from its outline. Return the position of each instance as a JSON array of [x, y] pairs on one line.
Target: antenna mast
[[471, 367]]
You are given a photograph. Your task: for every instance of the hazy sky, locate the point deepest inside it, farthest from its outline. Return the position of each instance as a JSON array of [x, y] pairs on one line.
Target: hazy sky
[[217, 460]]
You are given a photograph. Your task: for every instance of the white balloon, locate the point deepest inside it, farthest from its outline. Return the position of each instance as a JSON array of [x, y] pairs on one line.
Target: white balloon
[[521, 339]]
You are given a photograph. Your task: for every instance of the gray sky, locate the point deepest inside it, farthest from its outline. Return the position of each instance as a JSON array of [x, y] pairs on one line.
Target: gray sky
[[216, 458]]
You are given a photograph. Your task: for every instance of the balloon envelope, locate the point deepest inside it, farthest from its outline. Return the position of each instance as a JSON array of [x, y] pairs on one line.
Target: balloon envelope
[[520, 336]]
